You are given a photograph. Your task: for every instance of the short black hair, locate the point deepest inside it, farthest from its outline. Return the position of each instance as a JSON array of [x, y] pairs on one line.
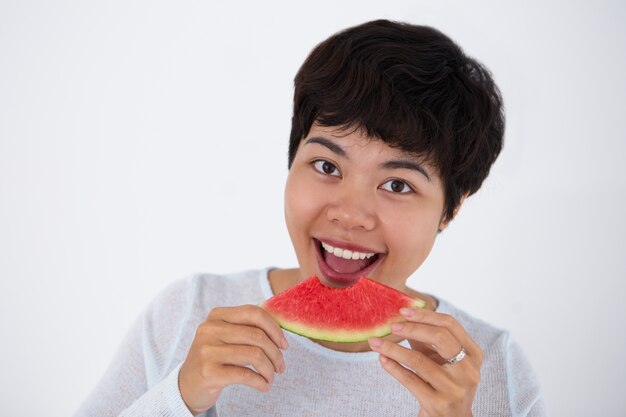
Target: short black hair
[[411, 87]]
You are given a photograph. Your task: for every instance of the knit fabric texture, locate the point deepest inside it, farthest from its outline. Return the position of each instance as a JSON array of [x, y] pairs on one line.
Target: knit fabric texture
[[142, 379]]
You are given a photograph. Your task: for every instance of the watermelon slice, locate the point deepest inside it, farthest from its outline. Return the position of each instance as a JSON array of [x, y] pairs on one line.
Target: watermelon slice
[[352, 314]]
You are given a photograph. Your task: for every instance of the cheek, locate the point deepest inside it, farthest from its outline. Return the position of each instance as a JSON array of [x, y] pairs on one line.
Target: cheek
[[411, 236], [301, 204], [291, 203]]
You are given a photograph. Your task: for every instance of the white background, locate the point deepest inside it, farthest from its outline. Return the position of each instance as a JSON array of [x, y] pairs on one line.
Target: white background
[[142, 141]]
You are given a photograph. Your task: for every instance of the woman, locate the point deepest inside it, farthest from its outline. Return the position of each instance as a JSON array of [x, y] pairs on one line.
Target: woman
[[393, 127]]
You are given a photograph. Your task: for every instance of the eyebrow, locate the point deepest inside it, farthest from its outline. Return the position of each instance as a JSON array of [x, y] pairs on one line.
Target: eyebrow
[[393, 164], [329, 144], [405, 164]]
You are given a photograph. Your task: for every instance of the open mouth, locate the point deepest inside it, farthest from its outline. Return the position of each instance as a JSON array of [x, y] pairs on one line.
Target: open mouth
[[343, 267]]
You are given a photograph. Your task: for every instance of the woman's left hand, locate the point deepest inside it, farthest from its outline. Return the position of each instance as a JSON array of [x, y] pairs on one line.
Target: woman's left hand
[[442, 388]]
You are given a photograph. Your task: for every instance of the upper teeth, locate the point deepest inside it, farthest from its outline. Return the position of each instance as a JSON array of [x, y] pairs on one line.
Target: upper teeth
[[345, 253]]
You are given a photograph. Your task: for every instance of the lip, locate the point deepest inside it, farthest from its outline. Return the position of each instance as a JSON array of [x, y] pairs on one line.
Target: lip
[[349, 246], [334, 279]]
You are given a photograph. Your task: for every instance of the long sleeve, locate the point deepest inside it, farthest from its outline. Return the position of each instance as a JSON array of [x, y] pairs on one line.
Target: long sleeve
[[142, 379], [525, 395]]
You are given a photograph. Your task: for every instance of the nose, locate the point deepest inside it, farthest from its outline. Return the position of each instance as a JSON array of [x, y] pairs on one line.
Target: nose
[[352, 210]]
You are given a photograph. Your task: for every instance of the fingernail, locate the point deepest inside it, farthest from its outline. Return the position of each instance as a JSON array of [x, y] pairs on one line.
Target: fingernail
[[407, 312], [397, 326], [384, 359], [374, 342], [282, 367], [284, 344], [268, 387]]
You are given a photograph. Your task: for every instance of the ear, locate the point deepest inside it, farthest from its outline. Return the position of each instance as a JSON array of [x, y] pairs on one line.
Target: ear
[[444, 223]]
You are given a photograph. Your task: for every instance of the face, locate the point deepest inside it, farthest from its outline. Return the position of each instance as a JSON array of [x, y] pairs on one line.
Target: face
[[356, 207]]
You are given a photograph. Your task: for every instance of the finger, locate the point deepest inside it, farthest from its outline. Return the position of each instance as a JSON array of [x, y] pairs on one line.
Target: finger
[[420, 389], [230, 375], [444, 320], [242, 356], [440, 338], [252, 316], [421, 365], [235, 334]]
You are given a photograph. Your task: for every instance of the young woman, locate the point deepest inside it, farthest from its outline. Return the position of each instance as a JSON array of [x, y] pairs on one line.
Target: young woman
[[393, 127]]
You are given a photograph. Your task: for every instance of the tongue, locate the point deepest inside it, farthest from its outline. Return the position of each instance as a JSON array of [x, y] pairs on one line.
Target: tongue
[[347, 266]]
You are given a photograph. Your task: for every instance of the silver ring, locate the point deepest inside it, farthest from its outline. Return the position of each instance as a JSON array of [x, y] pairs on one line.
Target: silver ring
[[458, 358]]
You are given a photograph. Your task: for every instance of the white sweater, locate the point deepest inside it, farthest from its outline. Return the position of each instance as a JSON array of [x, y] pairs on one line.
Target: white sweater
[[142, 379]]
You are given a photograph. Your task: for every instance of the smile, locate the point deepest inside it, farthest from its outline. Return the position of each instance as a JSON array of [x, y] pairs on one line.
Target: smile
[[346, 253], [343, 266]]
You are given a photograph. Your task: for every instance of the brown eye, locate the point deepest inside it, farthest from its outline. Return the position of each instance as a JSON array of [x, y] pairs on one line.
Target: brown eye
[[397, 186], [326, 167]]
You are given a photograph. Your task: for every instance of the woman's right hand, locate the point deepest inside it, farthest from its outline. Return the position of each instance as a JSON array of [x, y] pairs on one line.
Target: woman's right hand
[[225, 344]]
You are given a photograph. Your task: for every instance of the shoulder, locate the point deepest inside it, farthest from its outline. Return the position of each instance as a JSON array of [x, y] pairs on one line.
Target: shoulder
[[485, 334], [167, 326], [508, 382], [201, 292], [496, 343]]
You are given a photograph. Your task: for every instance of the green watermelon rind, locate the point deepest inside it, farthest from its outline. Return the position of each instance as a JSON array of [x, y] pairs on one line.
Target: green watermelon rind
[[342, 335]]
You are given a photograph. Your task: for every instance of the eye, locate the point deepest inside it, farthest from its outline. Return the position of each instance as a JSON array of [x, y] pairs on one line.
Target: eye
[[397, 186], [326, 167]]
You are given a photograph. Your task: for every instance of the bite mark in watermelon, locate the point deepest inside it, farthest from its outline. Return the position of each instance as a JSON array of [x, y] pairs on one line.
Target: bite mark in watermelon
[[352, 314]]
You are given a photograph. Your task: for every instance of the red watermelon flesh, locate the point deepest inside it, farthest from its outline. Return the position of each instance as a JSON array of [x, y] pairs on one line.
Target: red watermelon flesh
[[352, 314]]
